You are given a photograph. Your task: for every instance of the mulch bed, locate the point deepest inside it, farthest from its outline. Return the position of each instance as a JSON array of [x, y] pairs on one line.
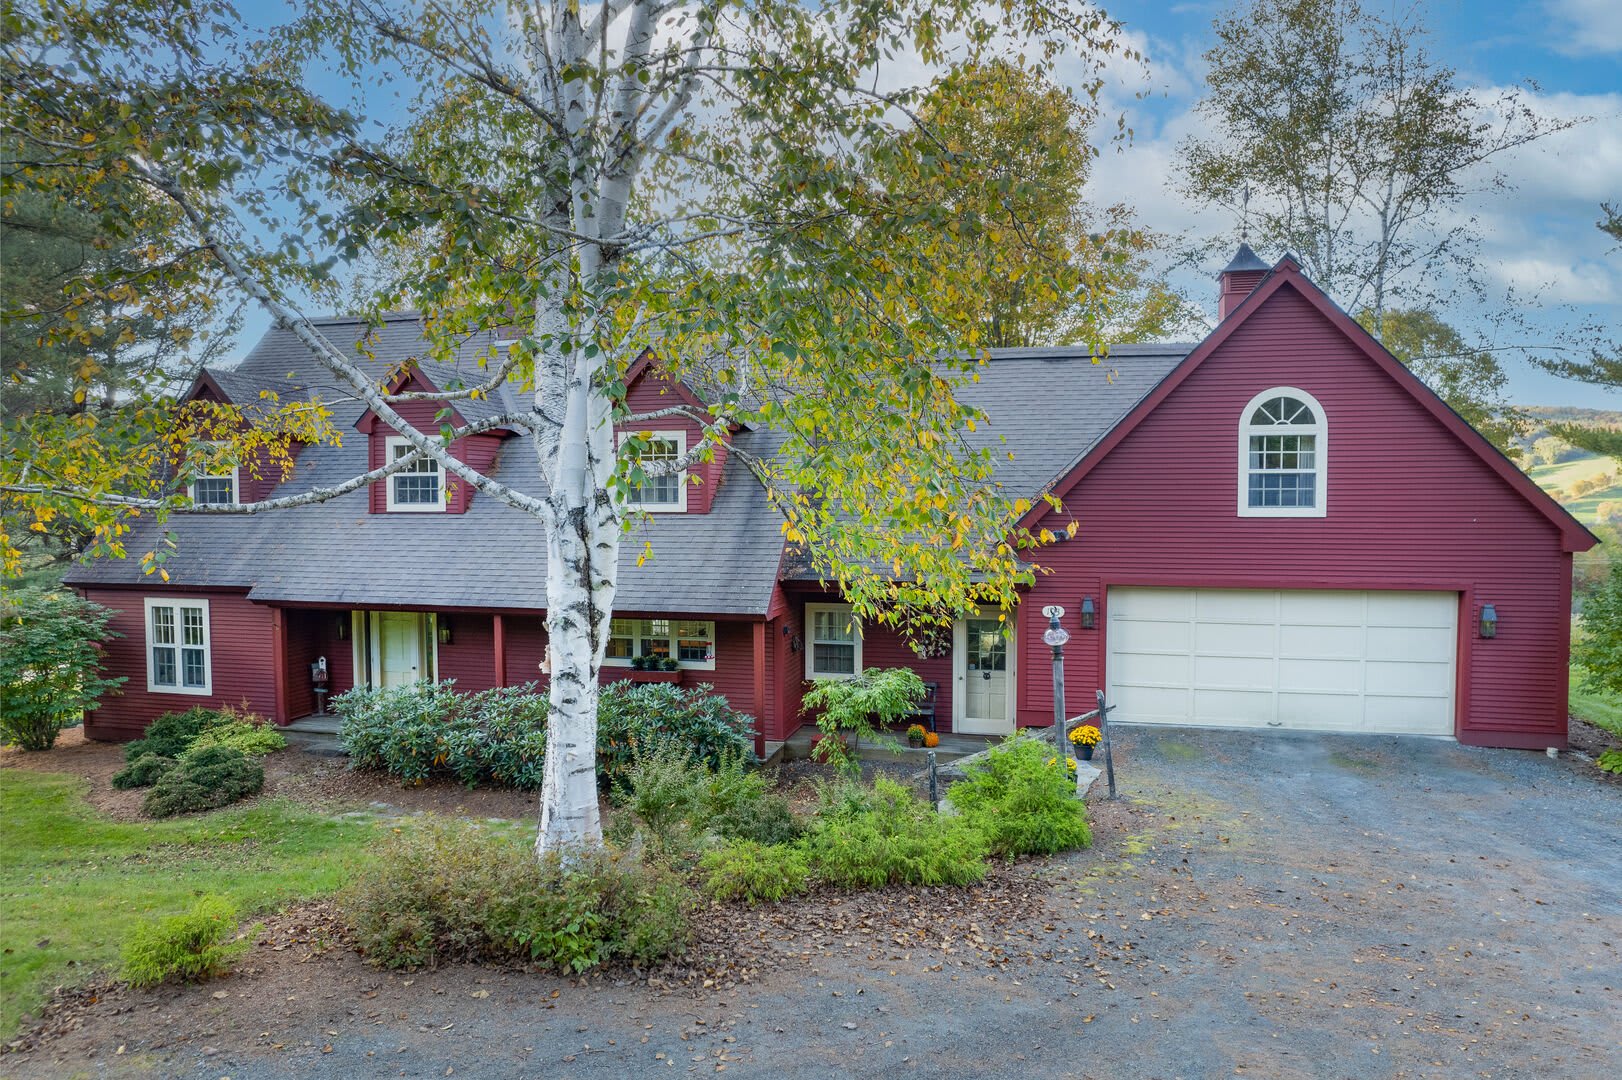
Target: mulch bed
[[1590, 739], [322, 782]]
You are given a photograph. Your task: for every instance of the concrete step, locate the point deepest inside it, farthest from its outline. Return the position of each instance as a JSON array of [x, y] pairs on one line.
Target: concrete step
[[314, 734]]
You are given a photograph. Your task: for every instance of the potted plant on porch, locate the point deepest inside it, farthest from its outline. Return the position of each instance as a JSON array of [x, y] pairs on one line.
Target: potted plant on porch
[[915, 735]]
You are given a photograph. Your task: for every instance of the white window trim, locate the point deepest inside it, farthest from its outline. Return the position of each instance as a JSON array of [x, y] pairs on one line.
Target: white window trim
[[393, 507], [811, 671], [686, 665], [680, 505], [178, 602], [236, 483], [1319, 430]]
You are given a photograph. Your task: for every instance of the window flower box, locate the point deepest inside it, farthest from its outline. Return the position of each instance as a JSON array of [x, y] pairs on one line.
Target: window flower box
[[654, 676]]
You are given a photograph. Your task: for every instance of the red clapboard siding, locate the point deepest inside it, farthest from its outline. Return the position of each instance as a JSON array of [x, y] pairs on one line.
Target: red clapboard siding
[[526, 648], [258, 478], [1409, 507], [240, 655], [469, 658]]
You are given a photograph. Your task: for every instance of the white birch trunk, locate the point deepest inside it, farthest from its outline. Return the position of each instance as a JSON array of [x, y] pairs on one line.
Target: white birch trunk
[[577, 456]]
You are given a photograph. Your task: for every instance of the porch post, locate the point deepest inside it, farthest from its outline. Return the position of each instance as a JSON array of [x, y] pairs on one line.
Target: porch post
[[278, 663], [760, 689], [501, 651]]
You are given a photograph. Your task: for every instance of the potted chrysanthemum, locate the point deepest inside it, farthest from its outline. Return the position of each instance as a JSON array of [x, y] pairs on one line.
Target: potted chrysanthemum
[[1084, 737]]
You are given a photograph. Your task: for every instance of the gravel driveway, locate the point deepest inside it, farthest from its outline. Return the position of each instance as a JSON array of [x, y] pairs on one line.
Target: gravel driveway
[[1258, 904]]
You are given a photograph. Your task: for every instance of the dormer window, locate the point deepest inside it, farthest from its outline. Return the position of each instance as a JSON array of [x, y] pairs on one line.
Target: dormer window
[[218, 488], [665, 493], [1283, 446], [419, 487]]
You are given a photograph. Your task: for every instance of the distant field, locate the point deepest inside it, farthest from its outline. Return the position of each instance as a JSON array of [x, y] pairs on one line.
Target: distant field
[[1562, 476]]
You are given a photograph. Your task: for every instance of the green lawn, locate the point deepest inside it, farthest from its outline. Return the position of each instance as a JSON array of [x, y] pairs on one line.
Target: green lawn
[[72, 883], [1561, 477], [1603, 710]]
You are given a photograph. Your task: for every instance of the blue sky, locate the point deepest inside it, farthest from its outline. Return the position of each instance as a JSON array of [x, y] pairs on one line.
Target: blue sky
[[1538, 239]]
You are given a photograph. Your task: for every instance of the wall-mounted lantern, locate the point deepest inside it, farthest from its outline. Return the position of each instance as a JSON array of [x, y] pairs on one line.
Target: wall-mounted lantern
[[444, 630], [1489, 621], [1089, 614]]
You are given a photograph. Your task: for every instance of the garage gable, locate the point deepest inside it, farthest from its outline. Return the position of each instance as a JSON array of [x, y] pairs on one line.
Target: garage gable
[[1304, 313]]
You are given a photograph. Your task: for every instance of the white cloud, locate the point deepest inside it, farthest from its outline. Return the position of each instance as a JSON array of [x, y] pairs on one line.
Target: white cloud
[[1559, 281], [1589, 27]]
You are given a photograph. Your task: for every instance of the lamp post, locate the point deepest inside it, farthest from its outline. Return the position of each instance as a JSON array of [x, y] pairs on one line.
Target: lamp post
[[1055, 636]]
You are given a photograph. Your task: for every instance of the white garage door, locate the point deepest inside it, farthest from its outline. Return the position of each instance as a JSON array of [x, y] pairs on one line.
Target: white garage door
[[1325, 661]]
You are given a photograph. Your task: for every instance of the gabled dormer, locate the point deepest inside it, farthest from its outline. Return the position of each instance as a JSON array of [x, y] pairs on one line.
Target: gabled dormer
[[425, 487], [648, 390], [243, 481]]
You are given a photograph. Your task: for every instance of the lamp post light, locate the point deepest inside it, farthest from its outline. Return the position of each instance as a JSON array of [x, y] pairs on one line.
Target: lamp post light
[[1055, 636]]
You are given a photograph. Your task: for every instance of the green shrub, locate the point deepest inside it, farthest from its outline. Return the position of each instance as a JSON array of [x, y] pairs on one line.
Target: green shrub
[[1610, 761], [1598, 644], [665, 793], [50, 664], [171, 734], [679, 807], [190, 947], [459, 892], [416, 733], [143, 771], [633, 715], [204, 779], [878, 697], [739, 804], [1022, 804], [754, 872], [896, 840], [240, 730]]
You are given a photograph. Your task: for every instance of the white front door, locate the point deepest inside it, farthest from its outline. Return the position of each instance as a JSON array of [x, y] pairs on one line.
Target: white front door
[[983, 671], [398, 647]]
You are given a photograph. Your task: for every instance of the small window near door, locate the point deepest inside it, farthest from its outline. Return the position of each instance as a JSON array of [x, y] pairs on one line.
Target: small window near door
[[417, 488], [177, 647], [1283, 445], [835, 642]]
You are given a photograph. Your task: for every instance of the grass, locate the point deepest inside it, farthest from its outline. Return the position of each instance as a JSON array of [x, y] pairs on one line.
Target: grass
[[1600, 709], [72, 882], [1561, 477]]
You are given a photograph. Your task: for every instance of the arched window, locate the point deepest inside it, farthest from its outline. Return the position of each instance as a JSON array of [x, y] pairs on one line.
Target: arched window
[[1283, 447]]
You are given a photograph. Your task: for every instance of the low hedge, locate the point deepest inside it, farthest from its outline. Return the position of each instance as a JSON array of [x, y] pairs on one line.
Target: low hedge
[[498, 737]]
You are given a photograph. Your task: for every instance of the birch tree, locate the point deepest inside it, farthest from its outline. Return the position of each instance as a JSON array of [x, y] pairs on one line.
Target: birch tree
[[1341, 139], [686, 179]]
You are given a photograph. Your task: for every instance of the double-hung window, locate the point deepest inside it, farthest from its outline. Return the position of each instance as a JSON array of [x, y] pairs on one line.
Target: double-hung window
[[690, 641], [419, 487], [661, 490], [216, 488], [1283, 446], [835, 642], [178, 660]]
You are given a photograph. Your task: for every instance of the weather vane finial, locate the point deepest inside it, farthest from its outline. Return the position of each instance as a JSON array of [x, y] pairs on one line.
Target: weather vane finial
[[1244, 214]]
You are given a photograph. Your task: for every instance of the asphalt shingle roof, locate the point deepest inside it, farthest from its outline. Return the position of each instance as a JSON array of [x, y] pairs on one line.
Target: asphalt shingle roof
[[1049, 405]]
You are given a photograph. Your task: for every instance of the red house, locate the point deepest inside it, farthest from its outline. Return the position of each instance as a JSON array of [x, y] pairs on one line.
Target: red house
[[1278, 527]]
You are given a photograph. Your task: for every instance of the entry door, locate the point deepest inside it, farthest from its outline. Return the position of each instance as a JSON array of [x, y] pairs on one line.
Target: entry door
[[398, 654], [983, 666]]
